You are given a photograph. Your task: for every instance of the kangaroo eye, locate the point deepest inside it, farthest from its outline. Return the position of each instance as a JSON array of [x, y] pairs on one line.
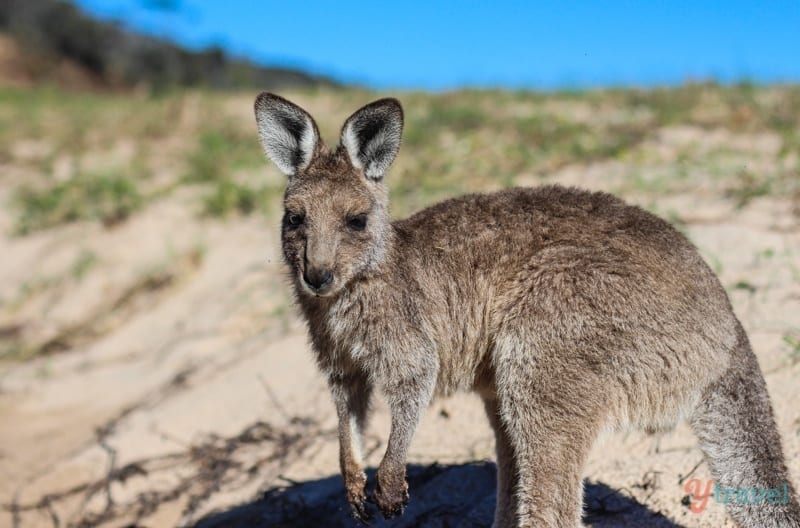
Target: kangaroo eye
[[357, 222], [294, 219]]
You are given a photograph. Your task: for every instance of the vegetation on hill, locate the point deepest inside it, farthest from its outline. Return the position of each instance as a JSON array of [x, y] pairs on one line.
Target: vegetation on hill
[[453, 143], [51, 31]]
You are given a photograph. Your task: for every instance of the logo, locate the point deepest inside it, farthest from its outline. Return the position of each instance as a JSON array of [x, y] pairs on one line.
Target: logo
[[699, 493]]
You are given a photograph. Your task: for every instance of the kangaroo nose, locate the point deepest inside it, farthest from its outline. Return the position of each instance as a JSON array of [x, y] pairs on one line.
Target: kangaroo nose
[[318, 278]]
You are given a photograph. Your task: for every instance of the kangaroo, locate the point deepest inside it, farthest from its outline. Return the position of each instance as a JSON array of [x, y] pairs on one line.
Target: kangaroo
[[569, 312]]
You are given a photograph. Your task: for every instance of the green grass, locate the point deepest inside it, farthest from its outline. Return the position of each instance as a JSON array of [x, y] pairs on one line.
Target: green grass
[[794, 348], [73, 122], [442, 116], [218, 155], [227, 197], [109, 197], [745, 285], [221, 150], [84, 262]]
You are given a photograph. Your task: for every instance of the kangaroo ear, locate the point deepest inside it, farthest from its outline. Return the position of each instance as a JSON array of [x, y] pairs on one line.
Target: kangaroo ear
[[371, 136], [288, 134]]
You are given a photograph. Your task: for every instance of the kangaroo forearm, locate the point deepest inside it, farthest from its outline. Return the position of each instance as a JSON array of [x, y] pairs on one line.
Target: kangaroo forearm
[[351, 395]]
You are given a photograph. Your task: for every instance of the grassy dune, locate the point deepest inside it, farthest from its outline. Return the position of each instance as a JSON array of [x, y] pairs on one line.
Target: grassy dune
[[103, 157], [73, 158]]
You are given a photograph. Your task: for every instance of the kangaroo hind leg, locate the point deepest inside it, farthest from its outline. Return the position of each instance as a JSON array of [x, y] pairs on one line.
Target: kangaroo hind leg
[[552, 415]]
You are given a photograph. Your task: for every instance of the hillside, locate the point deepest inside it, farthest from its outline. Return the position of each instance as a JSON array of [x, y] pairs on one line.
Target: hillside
[[54, 42], [154, 372]]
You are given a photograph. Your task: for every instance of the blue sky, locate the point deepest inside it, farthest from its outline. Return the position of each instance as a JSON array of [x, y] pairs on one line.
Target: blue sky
[[449, 44]]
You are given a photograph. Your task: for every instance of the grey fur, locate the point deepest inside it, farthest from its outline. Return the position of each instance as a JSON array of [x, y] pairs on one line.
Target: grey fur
[[569, 312]]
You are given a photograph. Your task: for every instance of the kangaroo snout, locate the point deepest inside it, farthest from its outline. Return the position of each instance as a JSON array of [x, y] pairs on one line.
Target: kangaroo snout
[[318, 264], [318, 279]]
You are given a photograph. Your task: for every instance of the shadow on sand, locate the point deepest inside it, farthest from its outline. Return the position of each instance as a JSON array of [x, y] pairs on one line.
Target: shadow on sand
[[441, 496]]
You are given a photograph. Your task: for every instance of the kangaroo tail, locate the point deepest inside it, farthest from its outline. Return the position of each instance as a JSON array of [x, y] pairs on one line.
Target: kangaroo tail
[[736, 428]]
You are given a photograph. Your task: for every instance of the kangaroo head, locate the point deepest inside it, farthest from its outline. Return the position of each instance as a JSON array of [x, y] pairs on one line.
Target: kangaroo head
[[336, 223]]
